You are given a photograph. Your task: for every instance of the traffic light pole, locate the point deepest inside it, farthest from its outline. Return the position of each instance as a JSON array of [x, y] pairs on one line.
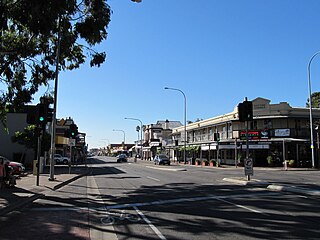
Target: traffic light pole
[[247, 147], [39, 131], [54, 115]]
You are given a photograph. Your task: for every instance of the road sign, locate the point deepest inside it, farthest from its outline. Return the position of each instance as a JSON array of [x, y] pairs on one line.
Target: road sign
[[72, 142], [248, 167]]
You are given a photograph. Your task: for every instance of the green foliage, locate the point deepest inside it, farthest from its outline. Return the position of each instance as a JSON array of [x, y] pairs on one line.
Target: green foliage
[[205, 161], [28, 138], [270, 161], [315, 100], [28, 43], [292, 163]]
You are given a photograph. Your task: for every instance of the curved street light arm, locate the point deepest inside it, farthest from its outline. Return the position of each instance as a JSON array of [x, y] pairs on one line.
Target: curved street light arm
[[185, 121], [310, 109]]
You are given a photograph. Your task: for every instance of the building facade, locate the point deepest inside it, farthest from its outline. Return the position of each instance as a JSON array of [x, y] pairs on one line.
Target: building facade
[[63, 144], [157, 137], [14, 151], [278, 132], [17, 121]]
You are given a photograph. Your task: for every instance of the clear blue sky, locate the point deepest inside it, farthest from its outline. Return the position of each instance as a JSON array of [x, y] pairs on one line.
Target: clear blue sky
[[217, 52]]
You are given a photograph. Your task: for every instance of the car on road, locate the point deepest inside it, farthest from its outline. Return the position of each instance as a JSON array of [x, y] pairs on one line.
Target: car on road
[[59, 159], [122, 158], [161, 159], [17, 168]]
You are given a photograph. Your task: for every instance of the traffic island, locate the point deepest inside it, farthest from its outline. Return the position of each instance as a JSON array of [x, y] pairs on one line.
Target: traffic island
[[244, 181]]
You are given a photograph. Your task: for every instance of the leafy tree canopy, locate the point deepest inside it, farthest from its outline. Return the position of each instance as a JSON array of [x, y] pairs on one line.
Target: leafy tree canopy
[[28, 43], [315, 100], [28, 138]]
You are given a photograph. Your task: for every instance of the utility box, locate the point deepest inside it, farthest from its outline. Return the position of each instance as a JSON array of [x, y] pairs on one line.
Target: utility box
[[35, 169]]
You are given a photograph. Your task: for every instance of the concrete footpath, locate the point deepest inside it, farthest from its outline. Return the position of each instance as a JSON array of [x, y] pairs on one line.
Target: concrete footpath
[[26, 190]]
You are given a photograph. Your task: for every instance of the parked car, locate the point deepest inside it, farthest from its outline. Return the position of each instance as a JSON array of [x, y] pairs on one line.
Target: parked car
[[18, 168], [161, 159], [61, 160], [122, 158]]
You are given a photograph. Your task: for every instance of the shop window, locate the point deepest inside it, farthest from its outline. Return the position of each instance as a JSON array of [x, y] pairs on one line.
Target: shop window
[[268, 124], [253, 125], [297, 124]]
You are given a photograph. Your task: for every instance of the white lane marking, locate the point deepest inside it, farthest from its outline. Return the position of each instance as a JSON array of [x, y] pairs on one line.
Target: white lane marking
[[153, 227], [104, 231], [240, 206], [184, 200], [155, 179], [40, 209], [168, 169]]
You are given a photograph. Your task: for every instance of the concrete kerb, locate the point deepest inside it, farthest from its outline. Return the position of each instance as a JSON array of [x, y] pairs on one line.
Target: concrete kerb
[[273, 187], [244, 181], [168, 168], [60, 185]]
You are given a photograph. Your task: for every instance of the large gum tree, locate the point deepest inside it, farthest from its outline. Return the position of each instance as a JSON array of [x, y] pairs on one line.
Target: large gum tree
[[28, 43]]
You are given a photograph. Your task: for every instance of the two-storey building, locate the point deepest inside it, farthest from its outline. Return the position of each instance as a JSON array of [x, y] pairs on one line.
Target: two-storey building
[[277, 130], [157, 137]]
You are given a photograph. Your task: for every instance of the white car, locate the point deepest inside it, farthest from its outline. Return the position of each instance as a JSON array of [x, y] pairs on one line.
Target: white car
[[61, 160]]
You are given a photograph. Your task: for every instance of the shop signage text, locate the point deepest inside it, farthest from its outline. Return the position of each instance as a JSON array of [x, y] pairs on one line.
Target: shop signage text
[[254, 135]]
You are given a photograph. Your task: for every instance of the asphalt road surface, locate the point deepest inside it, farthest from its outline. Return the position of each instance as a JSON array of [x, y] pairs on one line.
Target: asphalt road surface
[[144, 201]]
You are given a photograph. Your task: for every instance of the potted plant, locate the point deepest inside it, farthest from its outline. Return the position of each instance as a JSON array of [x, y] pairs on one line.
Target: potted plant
[[292, 163], [270, 161], [212, 163], [204, 162], [198, 162]]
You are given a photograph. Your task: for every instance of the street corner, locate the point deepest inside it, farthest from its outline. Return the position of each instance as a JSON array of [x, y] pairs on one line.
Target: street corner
[[243, 181]]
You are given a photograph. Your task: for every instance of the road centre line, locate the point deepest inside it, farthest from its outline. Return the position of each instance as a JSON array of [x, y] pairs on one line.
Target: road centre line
[[240, 206], [154, 228], [184, 200], [155, 179]]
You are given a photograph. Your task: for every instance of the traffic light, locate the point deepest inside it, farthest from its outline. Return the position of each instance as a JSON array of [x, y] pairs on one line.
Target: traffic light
[[32, 112], [73, 130], [216, 137], [49, 114], [245, 111], [42, 114]]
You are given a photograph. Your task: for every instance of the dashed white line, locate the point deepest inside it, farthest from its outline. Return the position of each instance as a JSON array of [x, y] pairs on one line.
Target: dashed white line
[[155, 179], [153, 227], [239, 206], [184, 200]]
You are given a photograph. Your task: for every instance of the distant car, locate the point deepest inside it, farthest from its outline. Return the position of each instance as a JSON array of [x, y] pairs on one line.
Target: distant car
[[161, 159], [122, 158], [61, 160], [17, 168]]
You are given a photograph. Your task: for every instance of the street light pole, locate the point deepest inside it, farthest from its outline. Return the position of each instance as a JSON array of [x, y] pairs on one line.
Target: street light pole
[[141, 139], [310, 110], [54, 115], [124, 136], [185, 121]]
